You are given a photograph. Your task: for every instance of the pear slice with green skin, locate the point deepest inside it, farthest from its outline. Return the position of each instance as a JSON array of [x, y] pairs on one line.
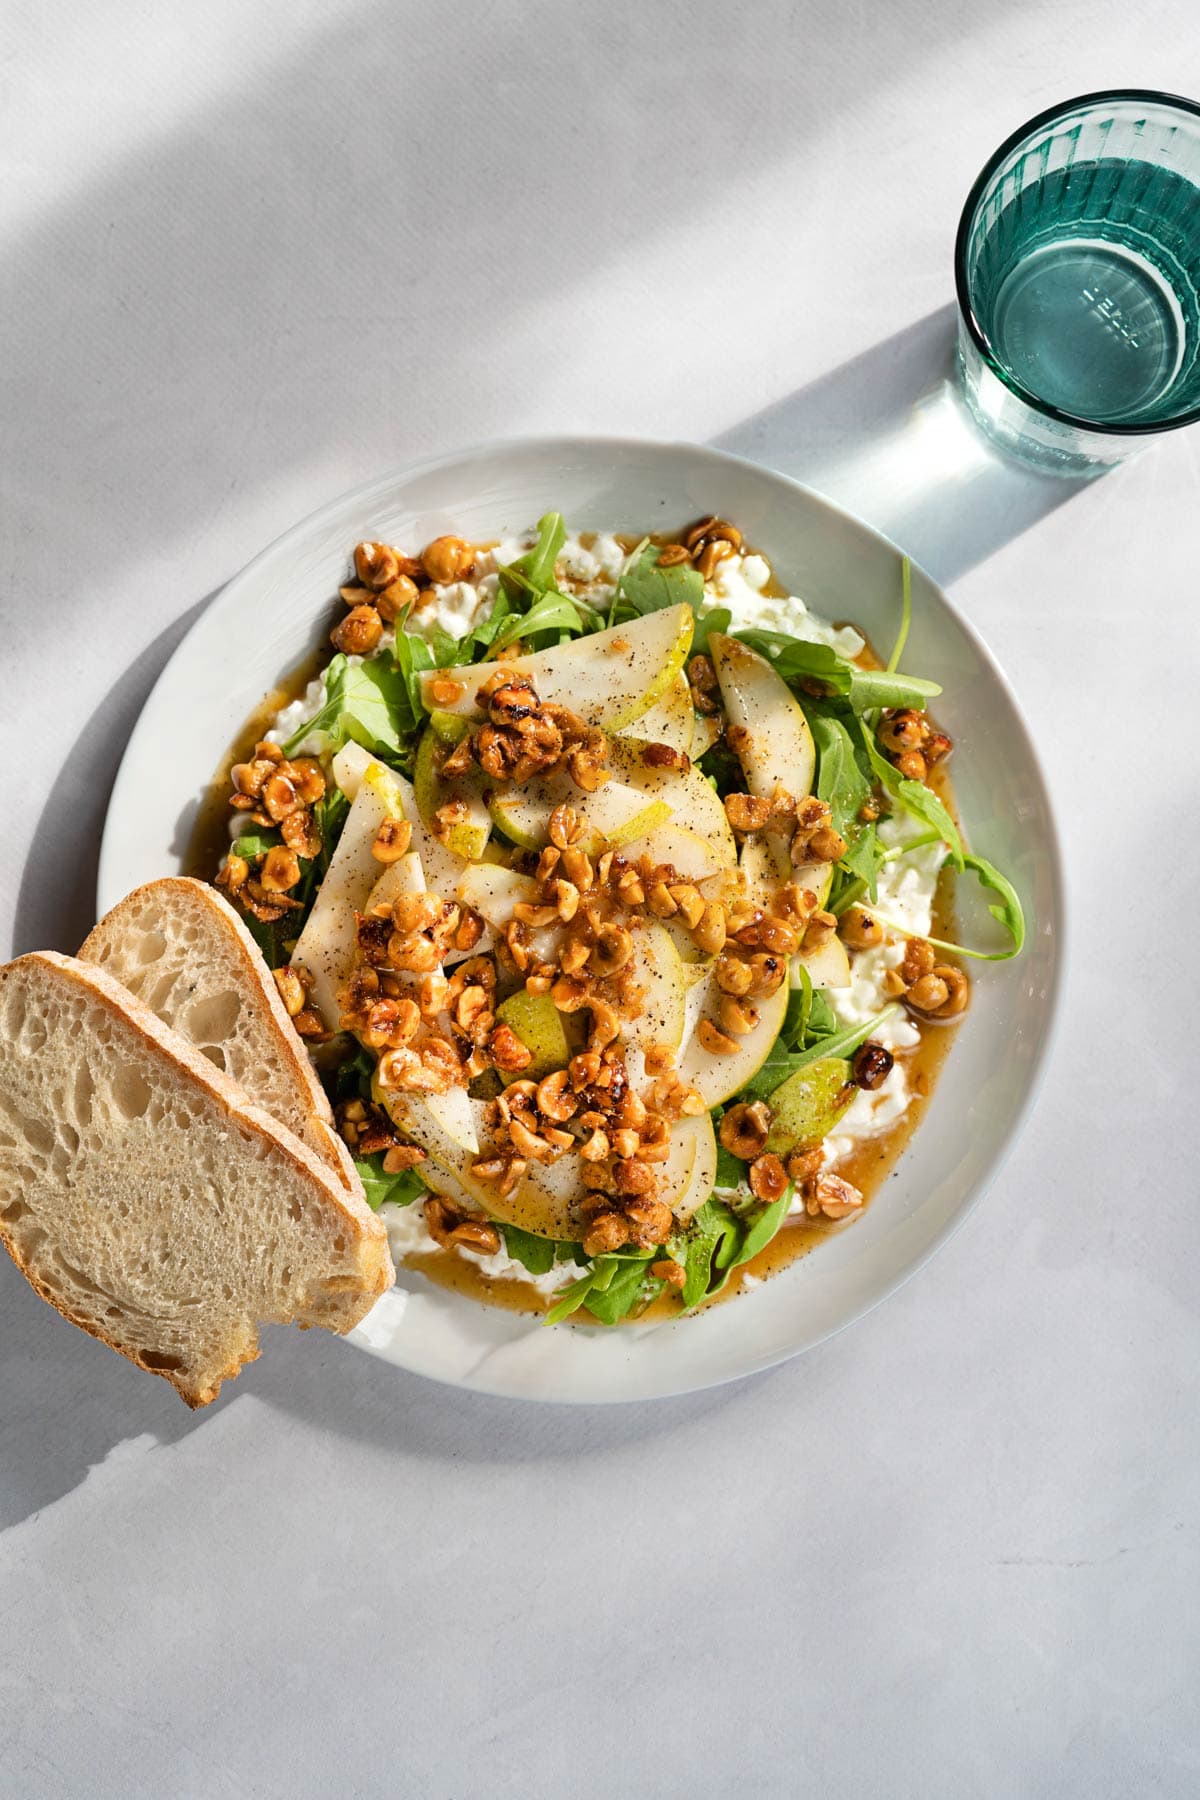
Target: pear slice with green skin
[[325, 948], [670, 720], [440, 1134], [469, 837], [694, 802], [614, 815], [441, 866], [539, 1025], [549, 1195], [773, 742], [806, 1107], [610, 678], [717, 1077]]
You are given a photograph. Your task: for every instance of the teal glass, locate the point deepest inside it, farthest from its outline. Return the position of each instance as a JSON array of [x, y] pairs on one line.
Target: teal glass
[[1078, 273]]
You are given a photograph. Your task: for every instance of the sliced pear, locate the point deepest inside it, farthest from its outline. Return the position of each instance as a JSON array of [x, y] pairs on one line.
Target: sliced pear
[[448, 1133], [815, 877], [766, 867], [492, 890], [403, 877], [539, 1025], [614, 814], [546, 1200], [806, 1107], [659, 971], [469, 837], [706, 729], [704, 1166], [452, 728], [669, 720], [693, 857], [441, 866], [828, 965], [775, 746], [717, 1077], [610, 677], [326, 945], [694, 802]]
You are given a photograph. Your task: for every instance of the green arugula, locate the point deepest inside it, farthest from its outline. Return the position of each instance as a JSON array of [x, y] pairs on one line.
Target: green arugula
[[537, 1254], [1009, 913], [397, 1190], [532, 575], [722, 1238], [731, 1169], [367, 702], [781, 1063], [553, 612], [646, 587], [708, 619], [631, 1266], [816, 666], [254, 843], [893, 661]]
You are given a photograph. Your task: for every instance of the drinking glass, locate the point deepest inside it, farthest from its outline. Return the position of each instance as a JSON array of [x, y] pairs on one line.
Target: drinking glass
[[1077, 265]]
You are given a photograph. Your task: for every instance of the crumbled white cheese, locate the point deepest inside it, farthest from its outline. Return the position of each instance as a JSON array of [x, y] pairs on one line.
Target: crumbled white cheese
[[408, 1235], [738, 583]]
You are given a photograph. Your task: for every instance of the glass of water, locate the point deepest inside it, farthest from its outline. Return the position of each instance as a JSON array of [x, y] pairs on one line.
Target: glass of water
[[1078, 272]]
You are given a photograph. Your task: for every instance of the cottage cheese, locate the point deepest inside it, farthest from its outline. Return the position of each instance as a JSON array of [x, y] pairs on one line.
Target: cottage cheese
[[408, 1235]]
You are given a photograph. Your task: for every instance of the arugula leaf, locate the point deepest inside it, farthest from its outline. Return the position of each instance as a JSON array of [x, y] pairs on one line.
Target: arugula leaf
[[707, 620], [269, 939], [553, 612], [1009, 913], [782, 1063], [255, 843], [893, 661], [913, 796], [329, 816], [712, 1238], [365, 701], [531, 574], [645, 587], [630, 1286], [537, 1254], [863, 859], [841, 782], [351, 1079], [397, 1190], [794, 1029], [764, 1228], [803, 664], [731, 1170], [597, 1281], [412, 656]]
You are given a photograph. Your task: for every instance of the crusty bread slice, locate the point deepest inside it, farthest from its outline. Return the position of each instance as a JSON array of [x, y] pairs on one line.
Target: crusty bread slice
[[146, 1199], [180, 947]]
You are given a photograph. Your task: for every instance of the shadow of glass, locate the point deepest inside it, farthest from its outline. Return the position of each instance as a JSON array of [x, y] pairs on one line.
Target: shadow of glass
[[888, 437]]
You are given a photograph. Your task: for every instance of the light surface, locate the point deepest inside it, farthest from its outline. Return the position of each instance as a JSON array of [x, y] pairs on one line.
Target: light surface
[[253, 255]]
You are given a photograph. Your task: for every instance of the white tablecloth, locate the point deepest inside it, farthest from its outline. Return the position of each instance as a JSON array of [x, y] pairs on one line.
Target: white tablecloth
[[256, 252]]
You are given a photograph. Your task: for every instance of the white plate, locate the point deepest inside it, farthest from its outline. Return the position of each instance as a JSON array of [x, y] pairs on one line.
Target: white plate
[[276, 610]]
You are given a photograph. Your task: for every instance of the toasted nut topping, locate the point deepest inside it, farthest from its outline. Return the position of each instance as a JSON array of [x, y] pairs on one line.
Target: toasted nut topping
[[506, 1049], [872, 1065], [651, 1221], [894, 983], [804, 1164], [672, 554], [767, 972], [858, 929], [447, 559], [661, 901], [768, 1178], [709, 931], [280, 870], [566, 896], [630, 889], [690, 902], [564, 826], [928, 994], [673, 1273], [291, 990], [397, 597], [747, 812], [606, 1233], [358, 634], [744, 1129], [633, 1177], [392, 840], [310, 1024], [554, 1097], [611, 951], [902, 730], [476, 1234], [733, 976], [919, 959], [606, 1027], [445, 690], [830, 1195], [912, 765], [826, 845], [714, 1041], [375, 564], [596, 1147], [736, 1016]]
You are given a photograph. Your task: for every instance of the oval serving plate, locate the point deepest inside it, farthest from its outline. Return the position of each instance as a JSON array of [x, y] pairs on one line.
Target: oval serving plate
[[273, 613]]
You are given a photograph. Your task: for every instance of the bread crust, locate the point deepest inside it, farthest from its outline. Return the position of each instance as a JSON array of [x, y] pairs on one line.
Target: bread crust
[[191, 1068]]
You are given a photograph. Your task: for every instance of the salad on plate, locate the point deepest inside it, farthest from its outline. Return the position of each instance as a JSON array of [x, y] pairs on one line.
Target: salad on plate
[[611, 891]]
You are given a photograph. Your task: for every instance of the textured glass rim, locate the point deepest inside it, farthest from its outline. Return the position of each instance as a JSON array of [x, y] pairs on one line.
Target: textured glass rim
[[967, 312]]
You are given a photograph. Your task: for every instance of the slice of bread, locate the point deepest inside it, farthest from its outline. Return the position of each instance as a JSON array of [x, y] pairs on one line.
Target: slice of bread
[[146, 1199], [182, 950]]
